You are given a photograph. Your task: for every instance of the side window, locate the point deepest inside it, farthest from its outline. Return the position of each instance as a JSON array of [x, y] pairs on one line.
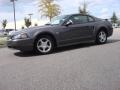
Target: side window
[[91, 19], [78, 19]]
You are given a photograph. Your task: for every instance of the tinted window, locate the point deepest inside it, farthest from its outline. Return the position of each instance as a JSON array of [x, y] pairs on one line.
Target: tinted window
[[91, 19], [58, 20], [79, 19]]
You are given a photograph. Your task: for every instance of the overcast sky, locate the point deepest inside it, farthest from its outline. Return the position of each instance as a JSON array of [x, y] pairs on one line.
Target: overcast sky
[[99, 8]]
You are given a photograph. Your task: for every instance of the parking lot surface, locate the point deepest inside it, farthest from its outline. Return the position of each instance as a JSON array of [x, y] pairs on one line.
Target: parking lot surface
[[79, 67]]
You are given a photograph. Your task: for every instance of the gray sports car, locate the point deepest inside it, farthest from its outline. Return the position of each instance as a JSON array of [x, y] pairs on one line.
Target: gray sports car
[[61, 31]]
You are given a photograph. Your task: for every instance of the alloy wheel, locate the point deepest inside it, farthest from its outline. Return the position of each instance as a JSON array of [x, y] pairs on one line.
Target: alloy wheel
[[44, 45], [102, 36]]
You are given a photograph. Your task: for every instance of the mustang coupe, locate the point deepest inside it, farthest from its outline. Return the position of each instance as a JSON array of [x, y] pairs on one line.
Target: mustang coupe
[[61, 31]]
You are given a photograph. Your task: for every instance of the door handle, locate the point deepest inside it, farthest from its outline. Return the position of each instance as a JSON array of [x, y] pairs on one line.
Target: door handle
[[93, 27]]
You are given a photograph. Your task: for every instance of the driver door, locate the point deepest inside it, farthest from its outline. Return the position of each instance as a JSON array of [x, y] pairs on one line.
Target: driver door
[[80, 30]]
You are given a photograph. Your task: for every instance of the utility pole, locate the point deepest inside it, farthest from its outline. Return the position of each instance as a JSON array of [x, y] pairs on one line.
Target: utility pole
[[30, 15], [14, 12]]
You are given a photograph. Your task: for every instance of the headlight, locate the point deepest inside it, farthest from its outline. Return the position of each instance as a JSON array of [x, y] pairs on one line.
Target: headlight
[[21, 36]]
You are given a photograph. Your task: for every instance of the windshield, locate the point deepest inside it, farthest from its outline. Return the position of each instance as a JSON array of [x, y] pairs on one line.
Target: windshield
[[58, 20]]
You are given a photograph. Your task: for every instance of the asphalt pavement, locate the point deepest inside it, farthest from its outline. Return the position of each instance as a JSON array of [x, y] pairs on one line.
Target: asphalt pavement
[[79, 67]]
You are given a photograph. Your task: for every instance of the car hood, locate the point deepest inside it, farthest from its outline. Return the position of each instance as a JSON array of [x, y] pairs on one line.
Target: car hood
[[32, 29]]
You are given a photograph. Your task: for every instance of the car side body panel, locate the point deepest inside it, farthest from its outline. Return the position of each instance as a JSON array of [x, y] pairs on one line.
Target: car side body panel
[[64, 35]]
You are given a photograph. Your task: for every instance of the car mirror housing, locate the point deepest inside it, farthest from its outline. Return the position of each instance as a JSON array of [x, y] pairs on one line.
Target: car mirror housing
[[68, 23]]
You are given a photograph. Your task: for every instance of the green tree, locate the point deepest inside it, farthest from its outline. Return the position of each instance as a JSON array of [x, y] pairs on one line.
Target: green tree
[[27, 22], [114, 18], [49, 8], [83, 9], [4, 23]]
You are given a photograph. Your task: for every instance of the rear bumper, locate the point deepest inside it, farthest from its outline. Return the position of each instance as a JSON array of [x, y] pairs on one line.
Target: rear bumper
[[110, 32], [23, 45]]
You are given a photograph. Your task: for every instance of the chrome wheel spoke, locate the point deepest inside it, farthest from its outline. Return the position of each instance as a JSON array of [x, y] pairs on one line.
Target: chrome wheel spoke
[[44, 49]]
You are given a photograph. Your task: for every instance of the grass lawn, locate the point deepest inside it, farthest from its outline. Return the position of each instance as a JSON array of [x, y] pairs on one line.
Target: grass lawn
[[3, 41]]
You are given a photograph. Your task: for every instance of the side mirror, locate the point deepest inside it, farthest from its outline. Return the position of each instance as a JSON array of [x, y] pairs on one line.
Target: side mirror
[[69, 23]]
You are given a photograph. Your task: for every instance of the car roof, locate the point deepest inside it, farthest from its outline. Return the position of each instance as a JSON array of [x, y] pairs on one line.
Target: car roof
[[79, 14]]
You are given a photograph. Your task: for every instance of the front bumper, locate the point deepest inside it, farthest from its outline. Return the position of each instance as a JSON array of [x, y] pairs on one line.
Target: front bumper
[[23, 45]]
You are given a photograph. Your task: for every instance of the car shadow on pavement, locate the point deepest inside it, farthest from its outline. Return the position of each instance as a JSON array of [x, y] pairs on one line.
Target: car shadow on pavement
[[83, 45], [63, 49]]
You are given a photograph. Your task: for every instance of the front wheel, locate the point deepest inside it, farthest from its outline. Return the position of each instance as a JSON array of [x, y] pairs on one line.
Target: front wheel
[[44, 45], [101, 37]]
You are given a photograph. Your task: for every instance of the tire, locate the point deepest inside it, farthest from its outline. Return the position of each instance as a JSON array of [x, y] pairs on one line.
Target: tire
[[44, 45], [101, 37]]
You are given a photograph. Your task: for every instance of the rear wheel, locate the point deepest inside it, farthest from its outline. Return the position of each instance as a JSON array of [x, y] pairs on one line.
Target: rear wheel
[[101, 37], [44, 45]]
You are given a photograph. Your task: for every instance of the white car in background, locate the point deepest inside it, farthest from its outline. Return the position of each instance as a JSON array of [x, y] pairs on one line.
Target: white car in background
[[5, 32], [2, 33]]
